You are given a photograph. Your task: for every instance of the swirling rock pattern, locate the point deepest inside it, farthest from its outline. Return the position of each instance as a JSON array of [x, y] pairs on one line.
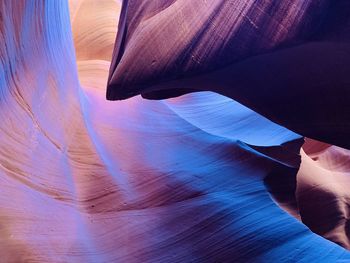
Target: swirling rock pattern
[[322, 192], [86, 180]]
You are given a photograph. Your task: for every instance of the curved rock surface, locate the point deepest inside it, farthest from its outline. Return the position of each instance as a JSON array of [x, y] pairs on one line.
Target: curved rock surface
[[272, 56], [191, 179]]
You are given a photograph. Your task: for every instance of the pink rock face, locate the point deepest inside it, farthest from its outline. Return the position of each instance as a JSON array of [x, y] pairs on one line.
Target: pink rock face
[[323, 191], [189, 179]]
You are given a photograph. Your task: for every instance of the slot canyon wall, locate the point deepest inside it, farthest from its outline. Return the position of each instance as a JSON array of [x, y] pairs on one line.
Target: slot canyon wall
[[197, 178]]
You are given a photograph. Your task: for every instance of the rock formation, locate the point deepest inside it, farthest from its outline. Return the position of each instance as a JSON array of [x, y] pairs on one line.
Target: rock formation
[[198, 178]]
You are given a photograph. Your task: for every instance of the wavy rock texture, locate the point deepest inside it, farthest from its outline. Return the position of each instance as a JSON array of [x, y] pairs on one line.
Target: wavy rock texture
[[184, 180], [322, 192]]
